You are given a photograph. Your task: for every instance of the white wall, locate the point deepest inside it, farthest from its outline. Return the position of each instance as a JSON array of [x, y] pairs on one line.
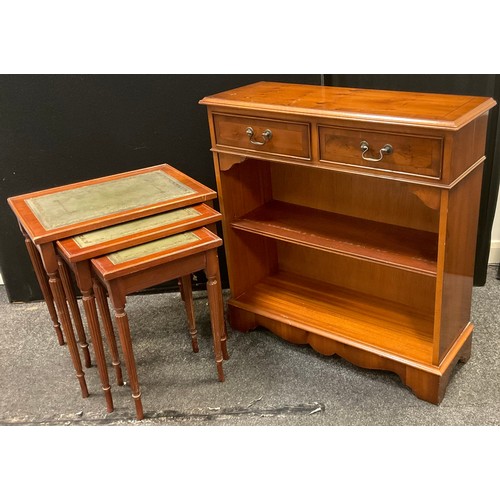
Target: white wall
[[495, 237]]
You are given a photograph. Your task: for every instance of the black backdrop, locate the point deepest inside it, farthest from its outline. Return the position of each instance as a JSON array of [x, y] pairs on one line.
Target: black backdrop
[[58, 129]]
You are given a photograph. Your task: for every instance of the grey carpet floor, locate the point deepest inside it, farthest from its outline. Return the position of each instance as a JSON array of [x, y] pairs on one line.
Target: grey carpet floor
[[269, 382], [287, 422]]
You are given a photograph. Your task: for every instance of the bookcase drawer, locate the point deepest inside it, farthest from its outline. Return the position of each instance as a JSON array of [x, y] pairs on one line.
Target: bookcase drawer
[[417, 155], [269, 136]]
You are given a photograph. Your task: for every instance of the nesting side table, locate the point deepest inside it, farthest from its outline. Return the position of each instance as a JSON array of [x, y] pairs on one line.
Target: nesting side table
[[77, 252], [138, 267], [57, 213]]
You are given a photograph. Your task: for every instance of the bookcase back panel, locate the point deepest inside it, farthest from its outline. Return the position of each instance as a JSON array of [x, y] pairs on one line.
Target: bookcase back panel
[[407, 288], [370, 198]]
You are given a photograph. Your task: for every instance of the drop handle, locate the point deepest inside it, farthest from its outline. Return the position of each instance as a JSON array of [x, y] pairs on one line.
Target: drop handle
[[386, 150], [267, 135]]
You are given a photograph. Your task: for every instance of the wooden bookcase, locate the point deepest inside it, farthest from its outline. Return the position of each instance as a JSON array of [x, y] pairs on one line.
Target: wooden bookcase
[[350, 220]]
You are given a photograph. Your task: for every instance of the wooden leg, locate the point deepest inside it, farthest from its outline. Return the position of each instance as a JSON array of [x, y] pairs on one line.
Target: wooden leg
[[214, 292], [128, 353], [41, 276], [102, 304], [223, 335], [187, 295], [75, 312], [225, 354], [432, 387], [181, 288], [95, 333], [63, 313]]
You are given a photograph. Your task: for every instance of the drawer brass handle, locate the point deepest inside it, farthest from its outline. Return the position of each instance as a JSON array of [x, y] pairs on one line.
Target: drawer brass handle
[[267, 135], [386, 150]]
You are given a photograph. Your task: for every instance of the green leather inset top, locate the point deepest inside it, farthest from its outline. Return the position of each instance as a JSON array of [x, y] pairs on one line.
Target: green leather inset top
[[133, 227], [64, 208], [152, 247]]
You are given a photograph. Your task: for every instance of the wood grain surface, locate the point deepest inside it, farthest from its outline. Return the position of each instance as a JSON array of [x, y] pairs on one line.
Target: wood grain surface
[[406, 108]]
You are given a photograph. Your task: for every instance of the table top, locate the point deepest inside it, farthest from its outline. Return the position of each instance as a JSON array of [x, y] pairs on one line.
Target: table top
[[127, 234], [155, 253], [442, 111], [64, 211]]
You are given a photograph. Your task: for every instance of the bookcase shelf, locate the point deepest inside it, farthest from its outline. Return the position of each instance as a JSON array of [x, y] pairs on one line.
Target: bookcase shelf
[[339, 313], [401, 247]]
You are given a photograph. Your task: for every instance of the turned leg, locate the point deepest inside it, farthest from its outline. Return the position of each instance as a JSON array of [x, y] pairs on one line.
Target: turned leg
[[95, 333], [128, 353], [187, 295], [223, 339], [75, 312], [41, 276], [62, 310], [181, 288], [223, 334], [102, 304], [214, 293]]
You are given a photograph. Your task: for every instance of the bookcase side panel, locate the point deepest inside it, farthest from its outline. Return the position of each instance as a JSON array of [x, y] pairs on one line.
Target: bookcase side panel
[[244, 187], [458, 266]]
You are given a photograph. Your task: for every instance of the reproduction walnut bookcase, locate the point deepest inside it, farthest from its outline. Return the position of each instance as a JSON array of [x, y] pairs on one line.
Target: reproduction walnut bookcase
[[350, 221]]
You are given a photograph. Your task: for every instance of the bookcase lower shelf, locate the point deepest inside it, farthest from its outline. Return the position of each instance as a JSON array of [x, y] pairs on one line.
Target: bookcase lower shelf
[[367, 331]]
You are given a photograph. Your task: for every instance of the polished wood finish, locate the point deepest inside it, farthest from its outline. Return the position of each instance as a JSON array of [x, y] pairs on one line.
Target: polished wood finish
[[63, 314], [341, 314], [109, 270], [83, 274], [427, 118], [89, 303], [370, 260], [78, 251], [75, 253], [363, 105], [457, 252], [187, 297], [44, 240], [412, 154], [288, 138], [214, 292], [102, 306], [39, 234], [393, 245], [152, 268], [75, 311], [385, 201], [128, 353], [42, 278], [410, 289], [427, 382]]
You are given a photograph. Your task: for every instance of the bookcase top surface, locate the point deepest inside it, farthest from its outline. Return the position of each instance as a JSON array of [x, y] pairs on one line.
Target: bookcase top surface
[[444, 111]]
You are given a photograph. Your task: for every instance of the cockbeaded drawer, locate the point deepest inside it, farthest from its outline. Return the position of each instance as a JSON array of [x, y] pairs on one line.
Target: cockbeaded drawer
[[268, 136], [411, 154]]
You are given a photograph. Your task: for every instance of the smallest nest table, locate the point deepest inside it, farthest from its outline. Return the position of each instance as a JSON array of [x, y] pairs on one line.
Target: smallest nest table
[[146, 265]]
